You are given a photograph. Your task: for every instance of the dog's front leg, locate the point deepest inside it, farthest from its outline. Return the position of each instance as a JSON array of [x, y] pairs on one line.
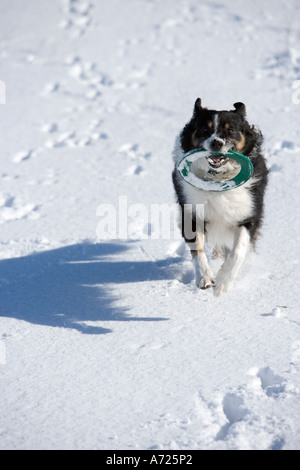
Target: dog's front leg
[[233, 262], [204, 277], [192, 225]]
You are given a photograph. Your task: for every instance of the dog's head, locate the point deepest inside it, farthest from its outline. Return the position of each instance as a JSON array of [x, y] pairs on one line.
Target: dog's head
[[218, 131]]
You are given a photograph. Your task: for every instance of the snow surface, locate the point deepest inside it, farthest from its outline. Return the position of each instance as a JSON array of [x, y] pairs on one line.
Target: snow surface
[[106, 343]]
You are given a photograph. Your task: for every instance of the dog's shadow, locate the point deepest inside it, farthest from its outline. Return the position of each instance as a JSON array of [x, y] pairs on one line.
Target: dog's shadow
[[69, 286]]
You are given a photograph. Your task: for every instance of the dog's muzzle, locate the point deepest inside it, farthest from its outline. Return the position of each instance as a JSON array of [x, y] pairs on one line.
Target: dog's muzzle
[[217, 144]]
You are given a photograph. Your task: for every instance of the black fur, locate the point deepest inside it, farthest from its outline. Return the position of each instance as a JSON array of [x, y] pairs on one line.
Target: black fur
[[257, 190]]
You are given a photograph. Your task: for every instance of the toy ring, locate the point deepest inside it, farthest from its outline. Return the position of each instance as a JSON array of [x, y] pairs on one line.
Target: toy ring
[[209, 179]]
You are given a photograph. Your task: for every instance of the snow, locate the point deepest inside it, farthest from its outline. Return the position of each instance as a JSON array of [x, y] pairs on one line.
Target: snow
[[105, 343]]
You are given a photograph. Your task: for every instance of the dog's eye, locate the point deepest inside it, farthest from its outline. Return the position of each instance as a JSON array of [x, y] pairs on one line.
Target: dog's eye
[[204, 130], [230, 131]]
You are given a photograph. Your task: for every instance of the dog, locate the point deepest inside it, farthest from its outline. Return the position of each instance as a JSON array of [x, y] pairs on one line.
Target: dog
[[230, 220]]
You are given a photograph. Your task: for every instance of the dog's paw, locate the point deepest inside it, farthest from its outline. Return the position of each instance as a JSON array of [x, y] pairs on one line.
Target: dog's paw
[[220, 289], [205, 283], [223, 284]]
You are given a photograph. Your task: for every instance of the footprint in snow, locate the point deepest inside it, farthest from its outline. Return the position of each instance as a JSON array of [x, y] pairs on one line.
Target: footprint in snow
[[49, 128], [51, 88], [234, 411], [12, 208], [286, 145], [272, 384], [88, 76], [23, 155], [134, 152], [77, 17], [135, 170], [72, 139], [64, 139], [266, 380]]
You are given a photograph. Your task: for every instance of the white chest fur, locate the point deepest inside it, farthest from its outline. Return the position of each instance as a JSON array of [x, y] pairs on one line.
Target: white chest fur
[[222, 211], [230, 206]]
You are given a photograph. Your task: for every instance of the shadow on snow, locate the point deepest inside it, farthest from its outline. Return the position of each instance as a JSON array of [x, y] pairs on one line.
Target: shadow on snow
[[67, 287]]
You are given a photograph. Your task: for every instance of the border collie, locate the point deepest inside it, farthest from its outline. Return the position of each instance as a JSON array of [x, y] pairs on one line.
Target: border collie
[[230, 220]]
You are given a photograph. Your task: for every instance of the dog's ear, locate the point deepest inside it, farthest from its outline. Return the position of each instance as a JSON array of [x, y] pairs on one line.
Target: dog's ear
[[240, 108], [197, 106]]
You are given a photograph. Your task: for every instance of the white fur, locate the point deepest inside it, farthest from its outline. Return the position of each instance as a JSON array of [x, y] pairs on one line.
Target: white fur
[[203, 273], [223, 211], [233, 262], [207, 143]]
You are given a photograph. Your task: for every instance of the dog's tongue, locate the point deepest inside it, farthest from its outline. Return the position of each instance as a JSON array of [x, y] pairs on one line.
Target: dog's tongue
[[215, 159]]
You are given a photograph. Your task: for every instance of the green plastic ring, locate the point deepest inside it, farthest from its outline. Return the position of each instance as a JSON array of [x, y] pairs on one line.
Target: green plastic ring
[[184, 169]]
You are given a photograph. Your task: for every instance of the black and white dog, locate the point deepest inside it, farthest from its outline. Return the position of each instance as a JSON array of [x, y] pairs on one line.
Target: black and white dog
[[231, 219]]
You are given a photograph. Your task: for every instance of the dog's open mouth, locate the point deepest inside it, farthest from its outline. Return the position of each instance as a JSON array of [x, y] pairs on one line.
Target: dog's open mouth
[[217, 161]]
